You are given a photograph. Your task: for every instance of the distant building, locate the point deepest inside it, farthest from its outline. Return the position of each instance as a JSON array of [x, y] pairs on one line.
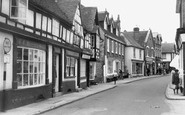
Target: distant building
[[168, 53], [158, 52]]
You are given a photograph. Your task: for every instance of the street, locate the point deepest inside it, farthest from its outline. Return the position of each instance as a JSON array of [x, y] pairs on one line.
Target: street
[[144, 97]]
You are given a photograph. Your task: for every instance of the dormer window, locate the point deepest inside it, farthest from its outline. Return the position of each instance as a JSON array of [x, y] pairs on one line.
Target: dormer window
[[18, 9]]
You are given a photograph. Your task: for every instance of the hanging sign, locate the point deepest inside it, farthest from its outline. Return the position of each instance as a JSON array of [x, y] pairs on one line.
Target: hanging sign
[[7, 45]]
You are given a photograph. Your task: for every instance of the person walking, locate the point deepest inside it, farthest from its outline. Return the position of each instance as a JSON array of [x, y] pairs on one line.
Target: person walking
[[115, 76], [175, 80]]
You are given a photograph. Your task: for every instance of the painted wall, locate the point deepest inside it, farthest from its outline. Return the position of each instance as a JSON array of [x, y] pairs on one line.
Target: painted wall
[[50, 53], [168, 58], [9, 69]]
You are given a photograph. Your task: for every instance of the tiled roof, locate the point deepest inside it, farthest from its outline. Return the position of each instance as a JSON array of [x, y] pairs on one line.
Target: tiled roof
[[168, 47], [139, 36], [130, 41], [88, 17], [69, 7], [51, 6]]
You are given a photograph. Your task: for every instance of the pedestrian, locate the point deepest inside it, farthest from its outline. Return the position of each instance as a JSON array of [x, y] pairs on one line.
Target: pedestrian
[[115, 75], [120, 74], [175, 81]]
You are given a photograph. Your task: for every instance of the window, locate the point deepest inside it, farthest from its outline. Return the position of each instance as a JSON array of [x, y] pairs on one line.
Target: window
[[107, 45], [30, 67], [140, 55], [97, 42], [5, 9], [76, 40], [123, 51], [61, 31], [119, 49], [134, 52], [49, 25], [116, 44], [70, 66], [38, 20], [64, 34], [30, 18], [71, 39], [112, 46], [55, 28], [18, 9], [44, 23], [82, 43], [68, 36]]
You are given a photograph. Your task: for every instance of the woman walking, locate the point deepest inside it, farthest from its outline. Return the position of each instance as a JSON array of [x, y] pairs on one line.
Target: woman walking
[[175, 81]]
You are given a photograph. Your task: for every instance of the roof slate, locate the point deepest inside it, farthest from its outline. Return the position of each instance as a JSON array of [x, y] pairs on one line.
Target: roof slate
[[101, 16], [168, 47], [69, 7], [139, 36], [130, 41], [88, 17], [52, 7]]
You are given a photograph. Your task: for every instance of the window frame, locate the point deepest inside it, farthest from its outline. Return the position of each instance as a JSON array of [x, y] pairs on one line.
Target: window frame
[[35, 59]]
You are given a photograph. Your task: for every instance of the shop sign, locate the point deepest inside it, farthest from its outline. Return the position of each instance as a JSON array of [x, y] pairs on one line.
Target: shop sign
[[7, 45], [86, 56]]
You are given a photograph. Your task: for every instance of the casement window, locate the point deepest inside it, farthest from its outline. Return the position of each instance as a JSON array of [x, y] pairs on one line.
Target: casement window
[[30, 67], [76, 40], [18, 9], [61, 31], [30, 18], [140, 53], [82, 43], [119, 49], [44, 23], [134, 52], [68, 36], [112, 46], [116, 48], [64, 34], [38, 20], [55, 27], [70, 66], [49, 25], [108, 45], [5, 7], [123, 50], [92, 41], [71, 37], [97, 42], [87, 41]]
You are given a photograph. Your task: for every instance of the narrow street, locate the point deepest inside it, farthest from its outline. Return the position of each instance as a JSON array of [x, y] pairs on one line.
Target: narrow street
[[144, 97]]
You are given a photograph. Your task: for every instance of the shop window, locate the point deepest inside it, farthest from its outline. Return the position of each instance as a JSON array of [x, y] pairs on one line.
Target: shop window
[[70, 66], [18, 9], [30, 67]]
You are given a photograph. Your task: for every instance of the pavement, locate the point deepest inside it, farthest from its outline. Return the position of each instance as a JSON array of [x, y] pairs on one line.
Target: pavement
[[52, 103]]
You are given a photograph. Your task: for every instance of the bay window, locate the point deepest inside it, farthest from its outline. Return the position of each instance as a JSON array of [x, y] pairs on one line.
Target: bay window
[[30, 67]]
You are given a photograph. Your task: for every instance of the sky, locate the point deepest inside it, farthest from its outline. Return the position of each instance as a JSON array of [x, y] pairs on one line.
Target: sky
[[158, 15]]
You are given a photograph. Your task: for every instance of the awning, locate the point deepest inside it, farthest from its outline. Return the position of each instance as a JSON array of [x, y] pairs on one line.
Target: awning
[[175, 62]]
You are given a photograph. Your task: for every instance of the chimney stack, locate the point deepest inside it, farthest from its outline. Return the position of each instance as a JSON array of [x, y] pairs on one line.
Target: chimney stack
[[136, 29]]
